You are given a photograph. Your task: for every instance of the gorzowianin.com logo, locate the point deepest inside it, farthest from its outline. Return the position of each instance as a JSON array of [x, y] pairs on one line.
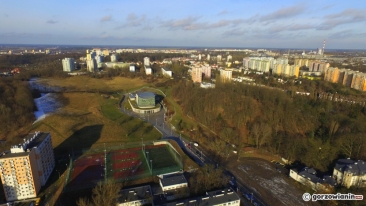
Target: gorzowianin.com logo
[[315, 197]]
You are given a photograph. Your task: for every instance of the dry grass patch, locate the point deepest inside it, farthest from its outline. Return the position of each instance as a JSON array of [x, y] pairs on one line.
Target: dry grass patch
[[89, 83], [89, 120]]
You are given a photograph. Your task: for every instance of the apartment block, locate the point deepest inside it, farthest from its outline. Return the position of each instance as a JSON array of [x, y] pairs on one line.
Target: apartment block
[[114, 58], [317, 66], [219, 58], [226, 75], [359, 81], [246, 62], [206, 70], [294, 70], [68, 64], [332, 74], [302, 62], [92, 65], [147, 61], [197, 74], [27, 167]]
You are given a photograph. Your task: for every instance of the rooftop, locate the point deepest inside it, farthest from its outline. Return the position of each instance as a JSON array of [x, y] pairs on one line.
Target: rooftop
[[30, 141], [216, 197], [133, 194], [169, 180], [145, 94], [357, 167], [310, 174]]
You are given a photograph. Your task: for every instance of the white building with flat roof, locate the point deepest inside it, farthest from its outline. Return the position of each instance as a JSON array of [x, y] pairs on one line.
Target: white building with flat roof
[[147, 61], [68, 64], [114, 58], [91, 65], [166, 72], [132, 68], [148, 70]]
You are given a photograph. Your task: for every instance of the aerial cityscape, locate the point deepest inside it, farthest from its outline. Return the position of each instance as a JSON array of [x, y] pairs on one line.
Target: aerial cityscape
[[183, 103]]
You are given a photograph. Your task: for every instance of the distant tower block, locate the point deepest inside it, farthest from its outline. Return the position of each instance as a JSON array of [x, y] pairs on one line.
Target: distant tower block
[[323, 47]]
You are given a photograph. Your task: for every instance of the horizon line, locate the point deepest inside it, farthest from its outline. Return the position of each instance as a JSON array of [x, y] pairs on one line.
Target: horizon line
[[185, 47]]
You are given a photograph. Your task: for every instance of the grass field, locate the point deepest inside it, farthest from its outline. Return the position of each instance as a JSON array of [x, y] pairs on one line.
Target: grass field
[[88, 120]]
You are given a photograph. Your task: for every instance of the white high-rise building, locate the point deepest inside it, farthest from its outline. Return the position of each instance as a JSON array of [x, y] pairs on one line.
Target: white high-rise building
[[99, 59], [229, 58], [92, 65], [208, 57], [147, 61], [219, 58], [68, 64], [199, 57], [114, 58], [246, 62]]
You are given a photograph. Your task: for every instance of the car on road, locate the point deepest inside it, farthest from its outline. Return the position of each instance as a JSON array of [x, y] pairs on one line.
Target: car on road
[[195, 144]]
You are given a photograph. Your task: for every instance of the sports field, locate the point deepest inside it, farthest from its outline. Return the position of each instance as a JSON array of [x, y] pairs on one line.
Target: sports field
[[123, 165]]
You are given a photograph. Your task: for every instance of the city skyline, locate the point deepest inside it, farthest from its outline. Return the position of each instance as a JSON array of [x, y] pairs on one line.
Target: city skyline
[[280, 24]]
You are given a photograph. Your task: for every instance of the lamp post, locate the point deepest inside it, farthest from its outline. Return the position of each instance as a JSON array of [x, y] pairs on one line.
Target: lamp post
[[147, 153]]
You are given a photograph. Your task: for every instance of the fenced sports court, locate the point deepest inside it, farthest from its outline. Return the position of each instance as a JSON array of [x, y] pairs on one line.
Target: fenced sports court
[[123, 165]]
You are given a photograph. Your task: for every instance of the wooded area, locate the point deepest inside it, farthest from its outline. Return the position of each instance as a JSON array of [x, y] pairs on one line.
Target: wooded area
[[311, 130], [16, 105]]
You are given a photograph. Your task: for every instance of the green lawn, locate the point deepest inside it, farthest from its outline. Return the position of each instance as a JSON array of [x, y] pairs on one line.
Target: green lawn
[[136, 128]]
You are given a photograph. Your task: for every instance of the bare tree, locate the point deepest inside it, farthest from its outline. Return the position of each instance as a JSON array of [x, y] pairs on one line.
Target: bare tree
[[102, 194]]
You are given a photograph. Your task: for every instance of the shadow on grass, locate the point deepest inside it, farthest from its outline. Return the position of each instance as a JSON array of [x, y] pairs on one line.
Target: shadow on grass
[[73, 146], [81, 140]]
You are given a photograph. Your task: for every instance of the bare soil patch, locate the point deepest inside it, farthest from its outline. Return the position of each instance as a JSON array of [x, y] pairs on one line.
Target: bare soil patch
[[263, 177]]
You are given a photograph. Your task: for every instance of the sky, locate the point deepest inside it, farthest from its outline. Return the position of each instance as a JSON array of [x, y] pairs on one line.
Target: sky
[[189, 23]]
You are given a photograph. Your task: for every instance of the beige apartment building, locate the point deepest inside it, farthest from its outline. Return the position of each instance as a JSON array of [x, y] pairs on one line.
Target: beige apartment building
[[27, 166], [226, 75], [197, 74]]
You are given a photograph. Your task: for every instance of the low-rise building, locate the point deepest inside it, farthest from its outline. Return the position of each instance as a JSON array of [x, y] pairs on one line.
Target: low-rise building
[[207, 85], [349, 173], [148, 70], [172, 182], [132, 68], [307, 176], [217, 197], [135, 196], [166, 72]]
